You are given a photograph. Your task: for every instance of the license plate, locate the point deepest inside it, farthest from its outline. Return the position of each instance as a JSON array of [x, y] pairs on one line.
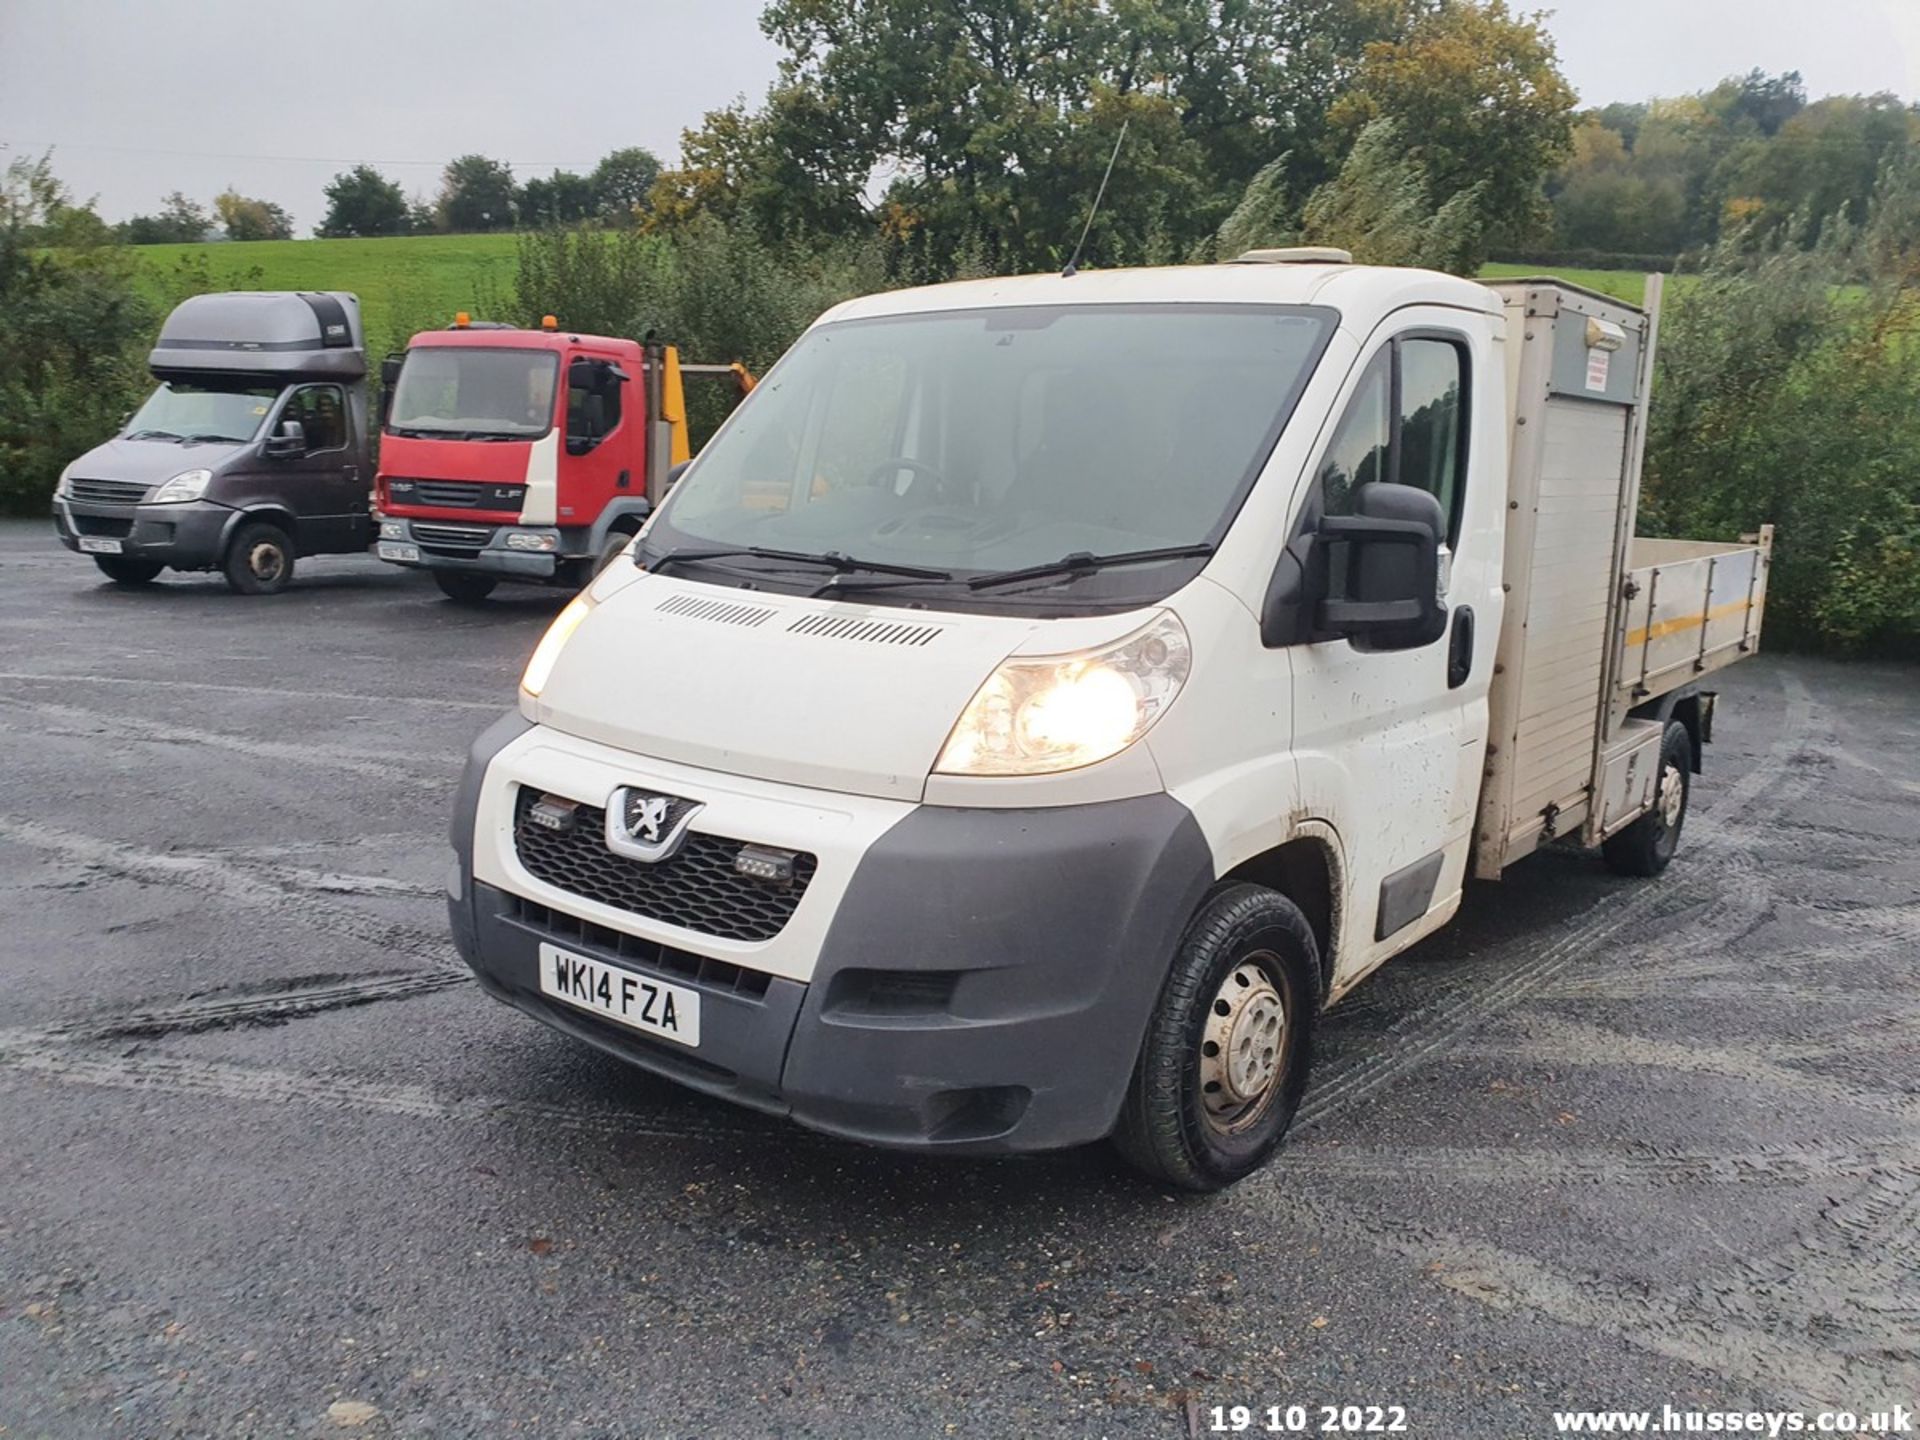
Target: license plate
[[391, 551], [652, 1006], [94, 545]]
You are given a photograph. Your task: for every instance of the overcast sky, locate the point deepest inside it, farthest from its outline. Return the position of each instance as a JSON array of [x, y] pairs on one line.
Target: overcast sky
[[139, 97]]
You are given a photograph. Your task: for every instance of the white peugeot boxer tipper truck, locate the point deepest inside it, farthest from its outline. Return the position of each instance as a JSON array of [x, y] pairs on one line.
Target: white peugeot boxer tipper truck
[[1044, 696]]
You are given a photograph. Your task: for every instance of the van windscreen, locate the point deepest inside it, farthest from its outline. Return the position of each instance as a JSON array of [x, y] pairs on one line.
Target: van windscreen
[[203, 412], [982, 441], [467, 392]]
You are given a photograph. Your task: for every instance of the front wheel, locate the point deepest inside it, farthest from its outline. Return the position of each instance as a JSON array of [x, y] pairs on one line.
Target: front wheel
[[614, 548], [1647, 845], [129, 570], [463, 588], [1228, 1045], [259, 560]]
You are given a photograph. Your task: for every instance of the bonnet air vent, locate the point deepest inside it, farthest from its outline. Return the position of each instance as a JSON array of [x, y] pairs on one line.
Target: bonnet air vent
[[723, 612], [877, 632]]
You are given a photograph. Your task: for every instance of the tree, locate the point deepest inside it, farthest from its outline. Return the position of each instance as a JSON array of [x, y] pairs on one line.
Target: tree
[[180, 221], [362, 201], [560, 199], [476, 194], [623, 183], [1478, 94], [1380, 208], [248, 219]]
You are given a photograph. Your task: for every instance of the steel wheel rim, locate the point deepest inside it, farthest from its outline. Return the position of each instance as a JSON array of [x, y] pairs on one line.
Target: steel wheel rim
[[1244, 1045], [265, 560], [1672, 797]]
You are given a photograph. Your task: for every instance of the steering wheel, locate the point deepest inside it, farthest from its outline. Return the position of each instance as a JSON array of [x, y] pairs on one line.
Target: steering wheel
[[919, 469]]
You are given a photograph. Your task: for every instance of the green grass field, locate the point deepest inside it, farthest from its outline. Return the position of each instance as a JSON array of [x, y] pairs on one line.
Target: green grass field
[[405, 283], [409, 283]]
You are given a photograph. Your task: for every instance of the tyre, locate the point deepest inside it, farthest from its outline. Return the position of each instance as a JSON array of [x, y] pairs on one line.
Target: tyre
[[128, 570], [1646, 846], [616, 546], [259, 559], [1228, 1045], [463, 588]]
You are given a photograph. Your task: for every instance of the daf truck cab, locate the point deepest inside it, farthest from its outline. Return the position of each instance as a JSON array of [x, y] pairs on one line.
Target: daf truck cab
[[251, 453], [1044, 696], [528, 455]]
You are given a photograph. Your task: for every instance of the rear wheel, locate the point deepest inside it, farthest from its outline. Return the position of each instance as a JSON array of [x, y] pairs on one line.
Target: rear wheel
[[259, 559], [129, 570], [462, 588], [1229, 1044], [1646, 846]]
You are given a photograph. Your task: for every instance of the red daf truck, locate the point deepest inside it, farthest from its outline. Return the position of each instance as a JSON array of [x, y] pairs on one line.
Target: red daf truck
[[531, 455]]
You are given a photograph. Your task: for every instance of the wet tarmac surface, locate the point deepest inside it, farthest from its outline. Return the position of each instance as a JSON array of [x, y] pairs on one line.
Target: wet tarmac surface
[[270, 1165]]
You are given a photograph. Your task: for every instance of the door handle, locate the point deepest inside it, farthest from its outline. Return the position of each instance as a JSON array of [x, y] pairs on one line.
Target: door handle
[[1460, 650], [625, 476]]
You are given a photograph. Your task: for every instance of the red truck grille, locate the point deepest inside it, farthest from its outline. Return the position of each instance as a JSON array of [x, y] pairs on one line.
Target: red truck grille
[[456, 494]]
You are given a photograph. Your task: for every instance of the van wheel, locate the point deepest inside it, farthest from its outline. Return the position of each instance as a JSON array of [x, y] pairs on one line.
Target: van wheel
[[259, 559], [1228, 1046], [462, 588], [616, 545], [129, 570], [1646, 846]]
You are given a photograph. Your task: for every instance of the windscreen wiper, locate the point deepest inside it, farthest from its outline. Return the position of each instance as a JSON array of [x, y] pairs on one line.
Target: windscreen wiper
[[1085, 562], [832, 559], [149, 435], [204, 439]]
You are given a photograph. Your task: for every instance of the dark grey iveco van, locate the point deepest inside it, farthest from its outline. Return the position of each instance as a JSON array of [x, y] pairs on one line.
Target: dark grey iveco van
[[251, 453]]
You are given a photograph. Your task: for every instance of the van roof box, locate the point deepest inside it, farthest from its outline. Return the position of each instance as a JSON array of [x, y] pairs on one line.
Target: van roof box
[[281, 334]]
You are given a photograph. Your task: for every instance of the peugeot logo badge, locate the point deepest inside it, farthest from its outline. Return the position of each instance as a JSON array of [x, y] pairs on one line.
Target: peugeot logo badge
[[647, 826]]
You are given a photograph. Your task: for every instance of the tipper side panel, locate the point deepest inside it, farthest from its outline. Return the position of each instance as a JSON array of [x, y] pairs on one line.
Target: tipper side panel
[[1569, 481]]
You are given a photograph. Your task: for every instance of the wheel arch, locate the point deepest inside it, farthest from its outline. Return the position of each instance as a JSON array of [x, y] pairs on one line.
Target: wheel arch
[[1307, 869], [624, 516], [273, 514], [1693, 708]]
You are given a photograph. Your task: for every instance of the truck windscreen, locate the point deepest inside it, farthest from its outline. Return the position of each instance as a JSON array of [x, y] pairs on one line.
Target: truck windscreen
[[213, 411], [469, 393], [980, 441]]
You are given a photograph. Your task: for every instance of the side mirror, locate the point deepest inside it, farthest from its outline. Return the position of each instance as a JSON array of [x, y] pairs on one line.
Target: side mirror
[[1375, 574], [596, 377], [286, 443], [390, 371], [676, 472]]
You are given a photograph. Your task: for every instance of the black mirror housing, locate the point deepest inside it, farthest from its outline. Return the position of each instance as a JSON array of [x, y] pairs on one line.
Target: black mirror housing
[[1375, 574], [289, 441]]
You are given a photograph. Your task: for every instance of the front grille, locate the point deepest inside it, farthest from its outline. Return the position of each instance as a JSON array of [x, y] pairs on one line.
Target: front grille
[[117, 526], [697, 888], [453, 537], [460, 495], [107, 492], [649, 955]]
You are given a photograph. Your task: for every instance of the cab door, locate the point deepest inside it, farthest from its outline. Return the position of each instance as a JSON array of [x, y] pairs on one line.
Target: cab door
[[1391, 741], [323, 485], [604, 423]]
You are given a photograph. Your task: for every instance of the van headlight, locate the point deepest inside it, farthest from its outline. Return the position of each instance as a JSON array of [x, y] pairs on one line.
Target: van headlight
[[187, 485], [64, 488], [1039, 714], [547, 652]]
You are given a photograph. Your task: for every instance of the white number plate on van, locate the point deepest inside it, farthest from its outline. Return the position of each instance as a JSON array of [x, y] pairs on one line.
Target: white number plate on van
[[94, 545], [653, 1006], [391, 551]]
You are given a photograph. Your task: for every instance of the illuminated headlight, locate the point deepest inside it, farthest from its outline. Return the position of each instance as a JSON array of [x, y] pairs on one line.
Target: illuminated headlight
[[547, 652], [393, 529], [1039, 714], [530, 540], [187, 485]]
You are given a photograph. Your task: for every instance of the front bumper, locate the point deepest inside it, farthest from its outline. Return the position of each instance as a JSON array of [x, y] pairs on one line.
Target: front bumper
[[188, 536], [977, 981], [441, 545]]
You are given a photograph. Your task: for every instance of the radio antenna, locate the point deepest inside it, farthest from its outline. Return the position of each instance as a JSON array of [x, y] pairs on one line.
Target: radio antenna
[[1073, 265]]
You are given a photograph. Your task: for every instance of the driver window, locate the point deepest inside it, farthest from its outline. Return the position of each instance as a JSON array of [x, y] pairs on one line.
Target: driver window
[[592, 413], [1358, 453], [322, 413]]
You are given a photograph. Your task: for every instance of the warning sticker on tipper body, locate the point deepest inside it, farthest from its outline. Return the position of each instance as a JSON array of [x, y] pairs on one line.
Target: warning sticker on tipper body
[[1599, 364]]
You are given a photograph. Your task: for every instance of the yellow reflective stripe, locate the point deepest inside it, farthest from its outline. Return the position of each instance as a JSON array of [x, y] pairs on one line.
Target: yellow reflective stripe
[[1684, 622]]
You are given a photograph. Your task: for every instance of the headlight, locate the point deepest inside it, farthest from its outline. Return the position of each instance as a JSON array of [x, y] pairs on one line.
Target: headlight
[[393, 530], [540, 667], [187, 485], [531, 540], [1039, 714], [64, 488]]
